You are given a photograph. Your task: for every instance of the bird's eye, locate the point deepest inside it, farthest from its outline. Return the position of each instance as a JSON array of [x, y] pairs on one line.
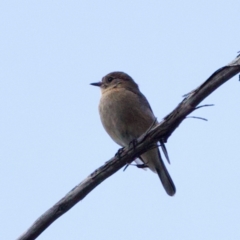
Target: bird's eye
[[110, 79]]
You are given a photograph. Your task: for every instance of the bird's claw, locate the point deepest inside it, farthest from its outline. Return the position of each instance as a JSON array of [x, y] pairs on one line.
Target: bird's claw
[[143, 165], [119, 152], [133, 143]]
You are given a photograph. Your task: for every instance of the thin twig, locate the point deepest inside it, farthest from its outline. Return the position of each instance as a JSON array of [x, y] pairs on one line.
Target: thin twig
[[164, 149], [205, 105], [197, 118]]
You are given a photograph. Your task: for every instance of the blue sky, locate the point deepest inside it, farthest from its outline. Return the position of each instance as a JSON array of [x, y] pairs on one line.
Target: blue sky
[[51, 136]]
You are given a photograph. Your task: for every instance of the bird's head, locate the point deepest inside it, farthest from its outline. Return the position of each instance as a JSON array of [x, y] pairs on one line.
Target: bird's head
[[116, 80]]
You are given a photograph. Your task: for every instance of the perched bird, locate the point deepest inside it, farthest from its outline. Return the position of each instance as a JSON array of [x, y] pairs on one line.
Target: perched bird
[[126, 114]]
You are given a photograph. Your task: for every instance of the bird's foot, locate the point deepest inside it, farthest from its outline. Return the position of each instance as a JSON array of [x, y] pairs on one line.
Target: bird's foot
[[119, 152], [143, 165], [133, 143], [137, 165]]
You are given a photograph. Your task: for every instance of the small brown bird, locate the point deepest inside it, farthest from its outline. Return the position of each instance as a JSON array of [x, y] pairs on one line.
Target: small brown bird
[[126, 114]]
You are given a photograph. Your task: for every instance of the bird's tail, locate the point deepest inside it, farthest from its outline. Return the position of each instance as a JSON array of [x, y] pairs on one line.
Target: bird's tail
[[165, 178], [154, 161]]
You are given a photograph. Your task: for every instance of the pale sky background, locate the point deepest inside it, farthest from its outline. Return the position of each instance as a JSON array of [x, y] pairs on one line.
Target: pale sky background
[[51, 136]]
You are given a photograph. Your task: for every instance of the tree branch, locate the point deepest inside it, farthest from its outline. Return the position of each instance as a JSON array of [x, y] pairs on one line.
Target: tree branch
[[161, 132]]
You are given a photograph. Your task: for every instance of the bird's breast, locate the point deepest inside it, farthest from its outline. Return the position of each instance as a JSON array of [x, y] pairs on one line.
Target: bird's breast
[[123, 116]]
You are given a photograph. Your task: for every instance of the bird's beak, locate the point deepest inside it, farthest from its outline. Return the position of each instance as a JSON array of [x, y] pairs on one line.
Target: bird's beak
[[98, 84]]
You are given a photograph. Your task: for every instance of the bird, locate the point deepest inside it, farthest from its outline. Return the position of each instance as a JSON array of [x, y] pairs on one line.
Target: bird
[[125, 115]]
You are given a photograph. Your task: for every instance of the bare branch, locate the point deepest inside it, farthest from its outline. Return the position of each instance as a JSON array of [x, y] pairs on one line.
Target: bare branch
[[160, 132]]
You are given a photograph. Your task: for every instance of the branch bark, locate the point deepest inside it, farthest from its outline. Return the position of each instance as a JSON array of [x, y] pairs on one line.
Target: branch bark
[[161, 132]]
